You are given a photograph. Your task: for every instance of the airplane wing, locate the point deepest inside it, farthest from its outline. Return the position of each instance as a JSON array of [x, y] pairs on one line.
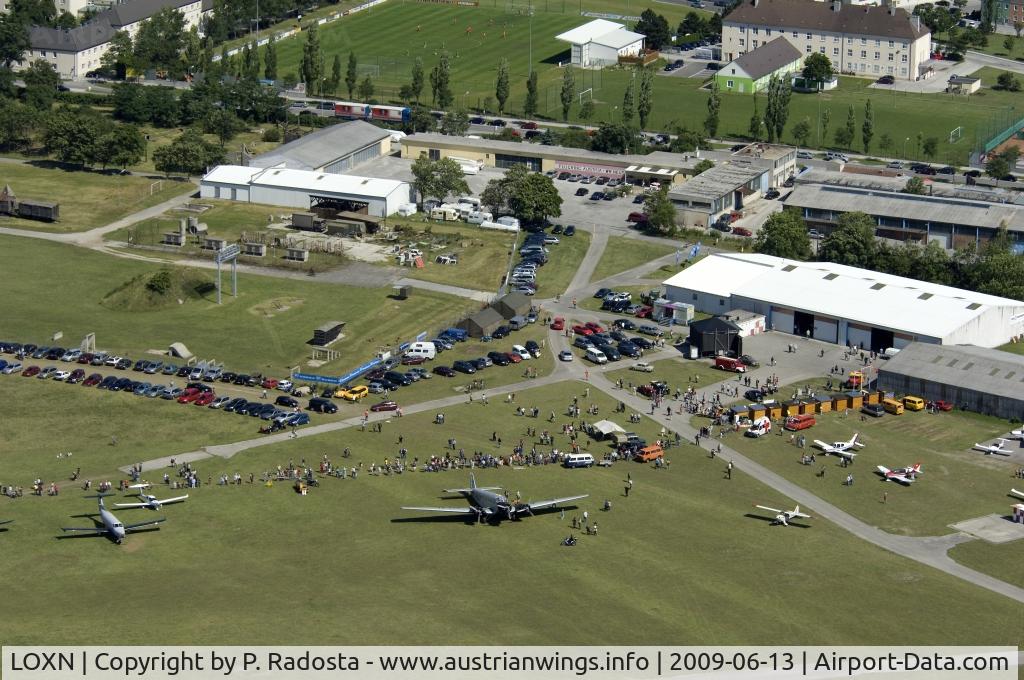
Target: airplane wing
[[1017, 493], [765, 507], [827, 448], [884, 470], [176, 499], [902, 479], [92, 530], [800, 514], [449, 509], [131, 505], [140, 525], [466, 491], [554, 501]]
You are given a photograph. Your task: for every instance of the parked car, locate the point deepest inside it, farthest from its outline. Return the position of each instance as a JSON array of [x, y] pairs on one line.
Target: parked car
[[565, 355], [285, 400], [570, 230], [464, 367], [444, 371], [742, 231], [384, 406], [886, 80]]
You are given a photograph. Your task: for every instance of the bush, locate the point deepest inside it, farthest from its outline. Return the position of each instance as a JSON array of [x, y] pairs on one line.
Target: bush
[[272, 134], [160, 282]]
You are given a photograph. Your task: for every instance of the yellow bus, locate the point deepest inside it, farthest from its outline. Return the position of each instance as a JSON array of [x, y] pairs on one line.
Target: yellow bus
[[893, 406], [913, 403]]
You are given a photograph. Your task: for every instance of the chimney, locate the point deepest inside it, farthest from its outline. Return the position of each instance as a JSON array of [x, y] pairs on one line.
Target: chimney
[[917, 22], [836, 5], [892, 8]]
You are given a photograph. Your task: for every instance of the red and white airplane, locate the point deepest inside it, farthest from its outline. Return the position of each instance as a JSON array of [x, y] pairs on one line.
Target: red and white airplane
[[841, 449], [903, 475]]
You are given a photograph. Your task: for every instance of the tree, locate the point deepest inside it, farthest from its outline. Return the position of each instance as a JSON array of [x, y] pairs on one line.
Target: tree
[[366, 89], [931, 147], [645, 102], [826, 118], [919, 142], [501, 87], [754, 129], [14, 40], [351, 74], [335, 80], [530, 106], [122, 146], [162, 106], [714, 106], [416, 85], [914, 186], [421, 120], [617, 138], [703, 165], [160, 40], [661, 212], [997, 167], [852, 242], [887, 143], [440, 82], [655, 29], [817, 69], [1018, 27], [225, 124], [193, 57], [777, 112], [438, 179], [33, 12], [692, 24], [686, 141], [189, 154], [312, 66], [628, 99], [802, 132], [784, 234], [72, 136], [529, 196], [867, 128], [120, 56], [18, 123], [455, 122], [568, 90], [270, 59], [587, 110], [1008, 81], [41, 81], [1008, 44]]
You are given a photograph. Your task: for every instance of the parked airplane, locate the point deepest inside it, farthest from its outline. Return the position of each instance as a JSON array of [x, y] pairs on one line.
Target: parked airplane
[[994, 448], [486, 504], [151, 502], [1016, 434], [111, 525], [841, 449], [1019, 494], [904, 475], [783, 516]]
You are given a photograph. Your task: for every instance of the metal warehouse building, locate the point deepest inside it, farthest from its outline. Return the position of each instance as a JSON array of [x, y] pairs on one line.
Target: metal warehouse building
[[305, 190], [846, 305], [984, 380], [332, 149]]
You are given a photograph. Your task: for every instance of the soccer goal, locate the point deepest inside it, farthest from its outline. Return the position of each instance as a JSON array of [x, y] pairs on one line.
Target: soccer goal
[[156, 187], [955, 134], [586, 95]]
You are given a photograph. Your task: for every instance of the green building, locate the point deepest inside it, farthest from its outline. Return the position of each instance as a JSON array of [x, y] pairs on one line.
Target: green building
[[750, 72]]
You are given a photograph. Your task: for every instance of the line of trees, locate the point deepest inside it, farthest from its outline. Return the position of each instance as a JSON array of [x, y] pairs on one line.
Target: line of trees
[[993, 269]]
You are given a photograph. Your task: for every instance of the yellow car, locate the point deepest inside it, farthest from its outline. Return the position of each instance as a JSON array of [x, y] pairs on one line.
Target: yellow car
[[353, 393]]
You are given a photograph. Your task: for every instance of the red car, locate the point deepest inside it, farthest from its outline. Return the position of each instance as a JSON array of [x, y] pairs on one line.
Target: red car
[[92, 380], [269, 383], [581, 330], [189, 396], [30, 371], [742, 231], [76, 376], [529, 125], [413, 361], [86, 358], [558, 324], [205, 398], [942, 405], [595, 327], [643, 312], [513, 357], [385, 406]]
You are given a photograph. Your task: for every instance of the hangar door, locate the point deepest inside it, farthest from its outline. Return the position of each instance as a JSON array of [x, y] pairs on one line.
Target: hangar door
[[858, 336], [826, 329], [782, 319]]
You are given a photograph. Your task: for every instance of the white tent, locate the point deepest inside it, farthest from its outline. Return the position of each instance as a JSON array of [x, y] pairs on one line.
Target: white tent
[[606, 427]]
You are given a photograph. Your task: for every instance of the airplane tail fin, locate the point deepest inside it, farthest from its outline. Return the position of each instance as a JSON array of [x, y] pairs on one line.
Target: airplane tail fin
[[472, 481]]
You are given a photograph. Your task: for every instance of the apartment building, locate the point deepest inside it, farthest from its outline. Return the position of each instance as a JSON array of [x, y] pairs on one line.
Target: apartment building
[[862, 40]]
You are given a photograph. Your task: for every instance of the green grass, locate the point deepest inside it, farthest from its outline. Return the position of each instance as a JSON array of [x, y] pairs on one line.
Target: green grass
[[594, 304], [265, 329], [995, 46], [371, 577], [1013, 347], [87, 199], [159, 137], [225, 219], [622, 254], [1002, 561], [678, 373], [957, 483], [563, 261]]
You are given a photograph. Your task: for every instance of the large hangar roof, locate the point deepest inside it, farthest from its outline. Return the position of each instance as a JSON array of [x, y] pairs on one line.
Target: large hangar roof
[[314, 182], [839, 291], [985, 370]]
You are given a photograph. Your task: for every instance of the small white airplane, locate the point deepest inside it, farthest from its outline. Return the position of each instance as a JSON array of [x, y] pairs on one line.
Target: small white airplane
[[904, 475], [783, 516], [1019, 494], [998, 448], [1017, 434], [841, 449], [151, 502]]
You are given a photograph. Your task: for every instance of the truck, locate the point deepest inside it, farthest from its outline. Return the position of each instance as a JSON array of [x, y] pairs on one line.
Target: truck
[[730, 364], [855, 381], [760, 427]]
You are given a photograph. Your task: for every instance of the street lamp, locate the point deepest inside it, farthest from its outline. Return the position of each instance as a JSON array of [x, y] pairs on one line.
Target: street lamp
[[905, 148]]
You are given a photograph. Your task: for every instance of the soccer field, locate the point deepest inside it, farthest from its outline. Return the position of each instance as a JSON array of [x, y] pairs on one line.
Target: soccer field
[[387, 39], [683, 558]]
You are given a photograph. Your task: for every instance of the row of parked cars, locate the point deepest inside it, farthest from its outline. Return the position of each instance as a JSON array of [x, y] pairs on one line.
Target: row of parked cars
[[533, 255], [621, 302], [599, 344]]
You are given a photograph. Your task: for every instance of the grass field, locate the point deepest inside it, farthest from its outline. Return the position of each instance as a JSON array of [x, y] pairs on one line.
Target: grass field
[[1002, 561], [265, 329], [1013, 347], [427, 30], [957, 483], [346, 565], [695, 374], [622, 254], [87, 199]]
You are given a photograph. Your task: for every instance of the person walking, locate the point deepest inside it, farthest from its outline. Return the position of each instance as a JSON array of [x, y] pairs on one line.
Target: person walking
[[728, 470]]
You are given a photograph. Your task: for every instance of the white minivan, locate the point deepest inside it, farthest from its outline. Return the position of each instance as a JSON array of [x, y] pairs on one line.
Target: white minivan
[[427, 350], [596, 355], [575, 460]]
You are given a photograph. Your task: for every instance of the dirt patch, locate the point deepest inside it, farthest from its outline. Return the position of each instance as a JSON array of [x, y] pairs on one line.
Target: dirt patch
[[367, 252], [275, 306]]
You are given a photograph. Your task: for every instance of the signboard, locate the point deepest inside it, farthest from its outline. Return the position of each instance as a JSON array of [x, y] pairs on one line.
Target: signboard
[[312, 377], [589, 168], [355, 373], [423, 336], [229, 252]]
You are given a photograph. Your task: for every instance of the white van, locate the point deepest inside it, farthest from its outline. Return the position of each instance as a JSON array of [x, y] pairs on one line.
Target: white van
[[576, 460], [427, 350], [759, 427], [596, 355]]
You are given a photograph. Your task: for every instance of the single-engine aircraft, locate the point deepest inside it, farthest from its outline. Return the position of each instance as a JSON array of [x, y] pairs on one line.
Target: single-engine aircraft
[[151, 502], [783, 516], [486, 504], [841, 449], [903, 475], [999, 448]]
